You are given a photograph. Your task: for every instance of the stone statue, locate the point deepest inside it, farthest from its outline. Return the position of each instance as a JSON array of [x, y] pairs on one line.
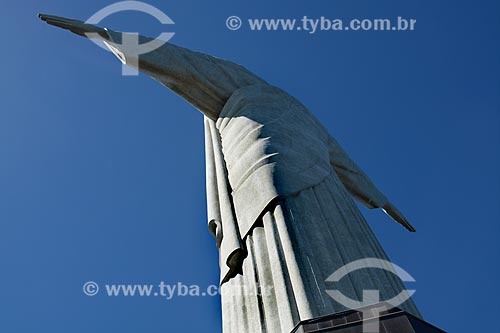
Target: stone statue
[[280, 191]]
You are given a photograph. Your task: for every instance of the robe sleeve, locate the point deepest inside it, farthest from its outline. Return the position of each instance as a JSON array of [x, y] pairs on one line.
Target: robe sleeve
[[354, 179], [204, 81], [360, 185]]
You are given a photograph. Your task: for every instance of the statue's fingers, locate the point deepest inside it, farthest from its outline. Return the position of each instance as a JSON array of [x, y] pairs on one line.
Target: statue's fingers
[[394, 213], [78, 27]]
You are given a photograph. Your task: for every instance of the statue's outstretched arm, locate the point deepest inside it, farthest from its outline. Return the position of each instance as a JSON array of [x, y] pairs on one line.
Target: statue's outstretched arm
[[204, 81], [360, 185]]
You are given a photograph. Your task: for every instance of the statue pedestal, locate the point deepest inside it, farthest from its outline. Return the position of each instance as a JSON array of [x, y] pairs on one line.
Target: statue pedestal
[[378, 317]]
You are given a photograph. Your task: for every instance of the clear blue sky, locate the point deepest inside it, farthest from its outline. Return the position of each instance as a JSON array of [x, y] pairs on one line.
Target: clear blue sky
[[102, 176]]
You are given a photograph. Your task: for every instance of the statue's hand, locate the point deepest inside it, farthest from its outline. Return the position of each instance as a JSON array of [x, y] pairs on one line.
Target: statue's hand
[[75, 26], [393, 212]]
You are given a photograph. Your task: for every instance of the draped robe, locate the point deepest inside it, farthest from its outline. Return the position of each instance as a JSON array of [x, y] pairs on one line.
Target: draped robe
[[280, 192], [280, 195]]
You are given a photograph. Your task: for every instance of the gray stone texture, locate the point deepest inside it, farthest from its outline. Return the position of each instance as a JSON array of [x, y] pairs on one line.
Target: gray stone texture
[[280, 192]]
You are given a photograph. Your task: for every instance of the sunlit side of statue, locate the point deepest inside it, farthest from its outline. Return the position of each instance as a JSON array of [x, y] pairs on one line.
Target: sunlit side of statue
[[280, 191]]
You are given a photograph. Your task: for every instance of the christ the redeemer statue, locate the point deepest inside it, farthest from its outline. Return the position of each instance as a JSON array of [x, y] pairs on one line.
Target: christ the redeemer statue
[[280, 192]]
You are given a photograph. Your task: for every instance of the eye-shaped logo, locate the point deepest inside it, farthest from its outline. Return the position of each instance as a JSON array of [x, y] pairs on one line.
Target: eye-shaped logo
[[130, 41], [370, 297]]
